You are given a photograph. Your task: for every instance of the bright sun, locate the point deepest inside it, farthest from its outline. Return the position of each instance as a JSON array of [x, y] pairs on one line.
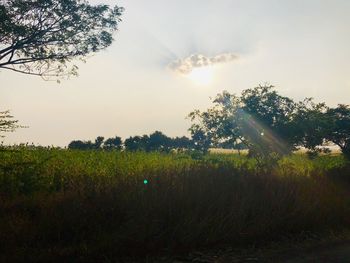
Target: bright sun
[[201, 76]]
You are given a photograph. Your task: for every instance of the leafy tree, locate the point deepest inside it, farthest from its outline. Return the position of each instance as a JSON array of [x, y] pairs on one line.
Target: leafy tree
[[81, 145], [260, 119], [98, 142], [267, 120], [41, 37], [136, 143], [113, 143], [201, 139], [181, 143], [219, 124], [158, 142], [310, 124], [339, 131], [7, 123]]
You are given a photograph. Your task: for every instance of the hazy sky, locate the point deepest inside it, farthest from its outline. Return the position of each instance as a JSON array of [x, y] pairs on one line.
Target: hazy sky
[[132, 88]]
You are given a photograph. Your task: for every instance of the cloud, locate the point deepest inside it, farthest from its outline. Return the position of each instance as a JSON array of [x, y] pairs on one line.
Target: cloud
[[186, 65]]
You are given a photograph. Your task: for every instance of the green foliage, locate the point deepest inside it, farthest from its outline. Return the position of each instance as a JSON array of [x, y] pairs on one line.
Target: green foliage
[[310, 124], [269, 125], [41, 37], [219, 124], [81, 145], [269, 121], [113, 143], [156, 141], [339, 130], [100, 143], [260, 119], [136, 143]]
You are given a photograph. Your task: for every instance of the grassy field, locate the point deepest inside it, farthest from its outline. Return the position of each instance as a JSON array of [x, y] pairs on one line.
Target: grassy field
[[57, 204]]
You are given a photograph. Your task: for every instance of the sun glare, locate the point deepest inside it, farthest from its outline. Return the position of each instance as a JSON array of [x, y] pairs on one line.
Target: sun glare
[[201, 76]]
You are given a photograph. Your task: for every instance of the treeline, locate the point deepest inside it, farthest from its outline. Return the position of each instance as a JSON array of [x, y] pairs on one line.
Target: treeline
[[157, 141], [270, 124], [260, 120]]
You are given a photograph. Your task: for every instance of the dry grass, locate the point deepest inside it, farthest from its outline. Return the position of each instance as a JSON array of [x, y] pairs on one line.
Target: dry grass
[[95, 205]]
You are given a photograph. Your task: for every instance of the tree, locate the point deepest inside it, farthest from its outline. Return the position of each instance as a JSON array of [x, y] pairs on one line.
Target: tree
[[158, 142], [98, 142], [339, 131], [268, 120], [7, 123], [136, 143], [219, 124], [41, 37], [260, 119], [310, 124], [181, 143], [81, 145], [201, 139], [113, 143]]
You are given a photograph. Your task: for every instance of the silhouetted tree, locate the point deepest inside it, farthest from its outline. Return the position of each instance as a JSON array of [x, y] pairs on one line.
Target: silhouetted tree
[[267, 120], [98, 142], [260, 119], [310, 124], [158, 142], [202, 140], [339, 131], [136, 143], [113, 144], [81, 145], [40, 37], [181, 143]]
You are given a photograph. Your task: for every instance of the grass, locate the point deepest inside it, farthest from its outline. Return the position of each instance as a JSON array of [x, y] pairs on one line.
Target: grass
[[58, 204]]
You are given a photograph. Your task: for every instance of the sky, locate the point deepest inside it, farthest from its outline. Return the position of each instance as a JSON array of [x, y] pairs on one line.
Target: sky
[[152, 76]]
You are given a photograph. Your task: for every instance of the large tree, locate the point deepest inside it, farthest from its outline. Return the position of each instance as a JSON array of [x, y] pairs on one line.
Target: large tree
[[310, 124], [136, 143], [158, 142], [41, 37], [113, 143], [260, 119], [339, 131], [218, 124], [268, 120]]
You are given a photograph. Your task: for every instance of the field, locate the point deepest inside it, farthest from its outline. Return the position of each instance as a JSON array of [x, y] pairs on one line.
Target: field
[[101, 205]]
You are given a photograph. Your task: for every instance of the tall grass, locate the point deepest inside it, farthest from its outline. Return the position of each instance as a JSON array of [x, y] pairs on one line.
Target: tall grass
[[95, 204]]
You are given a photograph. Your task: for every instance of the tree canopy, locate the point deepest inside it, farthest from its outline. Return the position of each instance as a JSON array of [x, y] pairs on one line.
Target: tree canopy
[[259, 119], [339, 130], [266, 122], [41, 37], [156, 141]]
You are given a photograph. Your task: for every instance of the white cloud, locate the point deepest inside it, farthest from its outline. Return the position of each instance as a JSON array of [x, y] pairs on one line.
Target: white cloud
[[186, 65]]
